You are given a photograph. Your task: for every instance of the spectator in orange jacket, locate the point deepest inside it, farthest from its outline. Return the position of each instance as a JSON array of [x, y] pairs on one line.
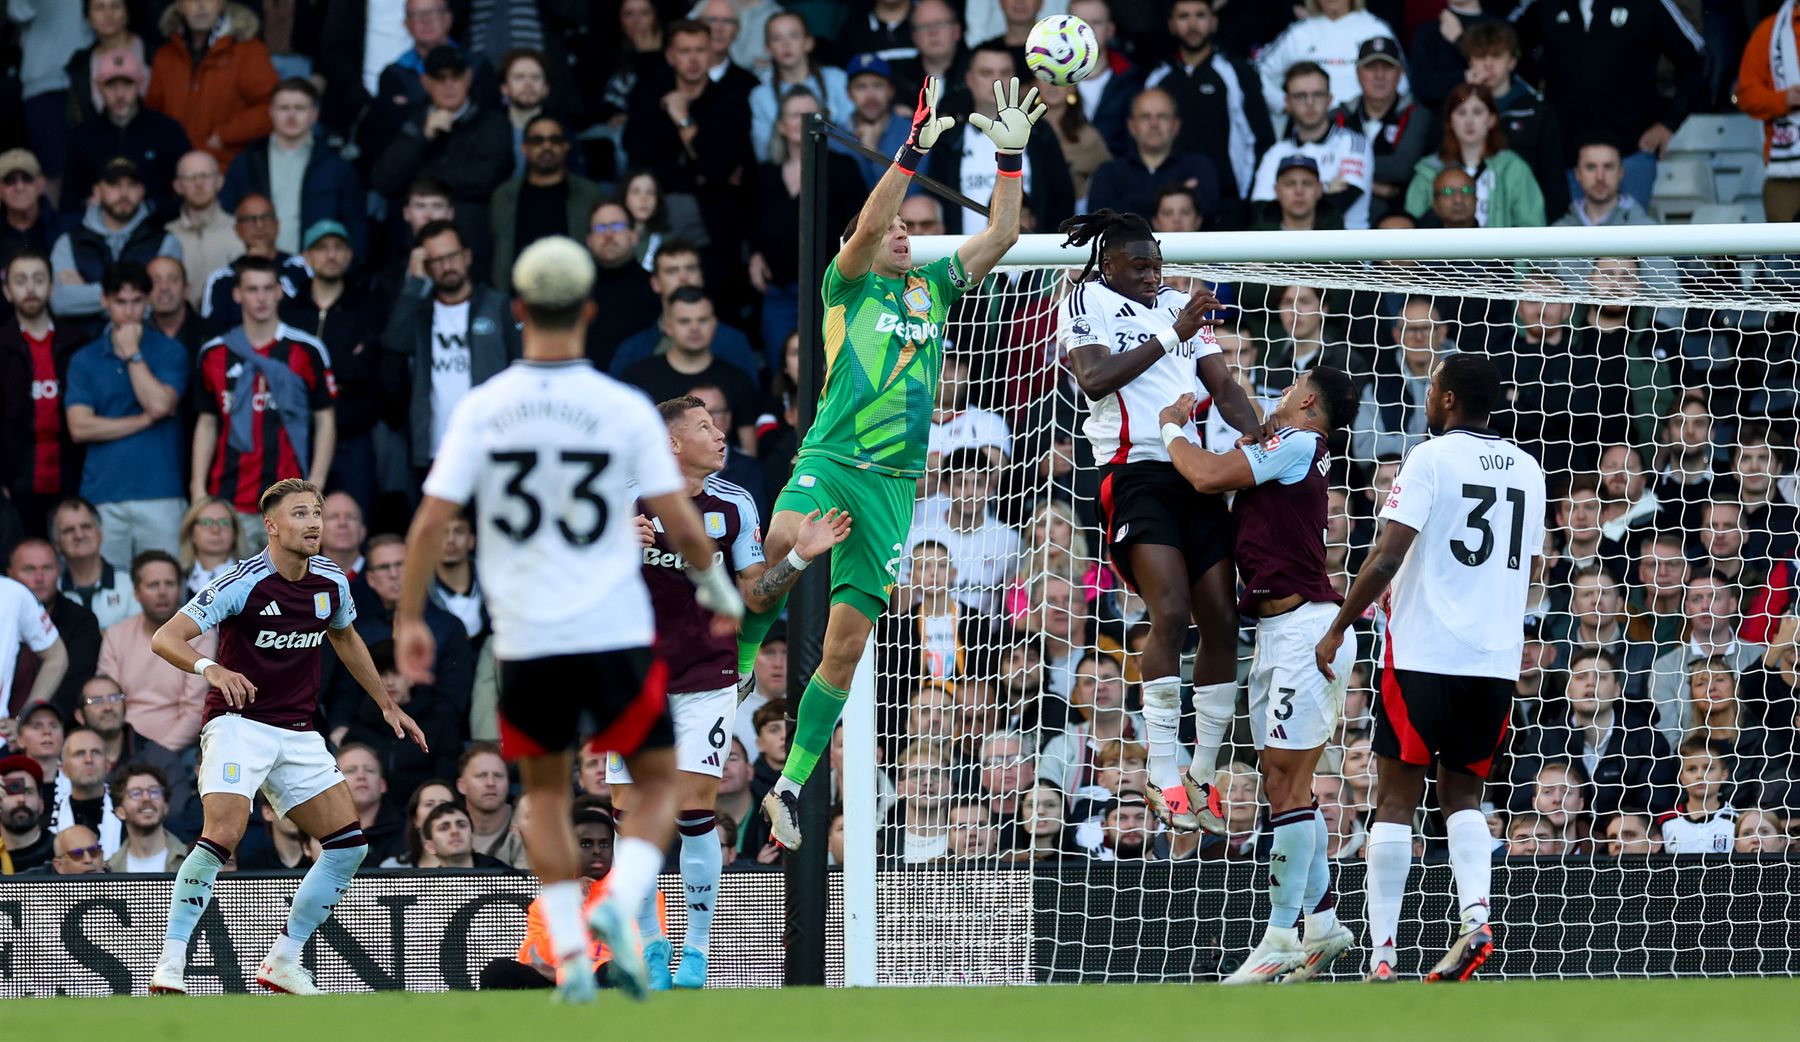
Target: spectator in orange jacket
[[1769, 88], [221, 100]]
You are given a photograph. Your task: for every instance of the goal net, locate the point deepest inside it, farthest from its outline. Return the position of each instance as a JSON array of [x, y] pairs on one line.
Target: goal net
[[1645, 796]]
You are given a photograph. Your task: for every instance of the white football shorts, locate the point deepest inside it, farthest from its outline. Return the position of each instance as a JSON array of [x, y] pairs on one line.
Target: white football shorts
[[1292, 705], [704, 722], [243, 756]]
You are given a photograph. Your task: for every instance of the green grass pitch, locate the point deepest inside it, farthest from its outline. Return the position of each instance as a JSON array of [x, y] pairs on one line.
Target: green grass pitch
[[1537, 1011]]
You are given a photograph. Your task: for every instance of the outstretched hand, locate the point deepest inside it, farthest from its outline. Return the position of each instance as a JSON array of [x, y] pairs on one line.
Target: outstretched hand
[[404, 727], [820, 533], [1193, 317], [1010, 129], [927, 125]]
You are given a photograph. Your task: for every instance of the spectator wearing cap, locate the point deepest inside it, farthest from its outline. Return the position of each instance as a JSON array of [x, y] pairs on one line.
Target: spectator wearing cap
[[1129, 183], [336, 311], [1532, 127], [207, 234], [39, 462], [117, 226], [548, 199], [123, 402], [124, 127], [1600, 69], [1298, 192], [968, 164], [1768, 88], [49, 33], [54, 672], [1328, 37], [300, 173], [1214, 89], [1506, 191], [259, 228], [621, 285], [1399, 131], [31, 222], [1345, 160], [871, 85], [457, 332], [1438, 62], [455, 138], [399, 90], [24, 843], [936, 31], [110, 23], [213, 75], [140, 798], [40, 736]]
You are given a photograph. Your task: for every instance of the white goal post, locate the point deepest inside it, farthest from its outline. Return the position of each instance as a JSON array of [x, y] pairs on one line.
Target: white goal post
[[1662, 361]]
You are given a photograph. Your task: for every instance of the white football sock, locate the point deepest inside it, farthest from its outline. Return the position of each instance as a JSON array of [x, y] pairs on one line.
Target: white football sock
[[562, 914], [1390, 859], [1214, 705], [1162, 718], [636, 861], [1472, 861]]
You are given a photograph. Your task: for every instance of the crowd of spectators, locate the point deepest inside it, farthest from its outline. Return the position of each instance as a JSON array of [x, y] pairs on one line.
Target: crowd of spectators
[[245, 241]]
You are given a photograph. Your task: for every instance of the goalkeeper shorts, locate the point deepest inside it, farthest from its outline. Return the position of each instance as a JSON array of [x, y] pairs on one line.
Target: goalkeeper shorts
[[866, 566]]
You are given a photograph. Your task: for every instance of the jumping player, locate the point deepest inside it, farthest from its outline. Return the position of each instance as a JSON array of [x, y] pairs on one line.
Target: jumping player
[[1280, 511], [1461, 542], [1135, 345], [884, 348], [703, 668], [555, 455], [273, 612]]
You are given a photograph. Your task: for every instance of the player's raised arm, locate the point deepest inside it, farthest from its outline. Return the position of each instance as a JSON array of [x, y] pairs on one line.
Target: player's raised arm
[[763, 584], [414, 646], [857, 255], [1010, 131]]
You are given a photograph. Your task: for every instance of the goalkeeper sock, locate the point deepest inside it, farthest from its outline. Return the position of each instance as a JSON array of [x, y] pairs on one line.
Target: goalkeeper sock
[[636, 861], [1321, 900], [1213, 707], [569, 936], [1472, 861], [820, 708], [1162, 717], [323, 887], [752, 628], [701, 863], [1290, 862], [193, 892], [1390, 858]]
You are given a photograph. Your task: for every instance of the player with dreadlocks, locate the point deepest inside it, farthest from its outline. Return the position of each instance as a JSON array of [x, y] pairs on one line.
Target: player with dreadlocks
[[1134, 345]]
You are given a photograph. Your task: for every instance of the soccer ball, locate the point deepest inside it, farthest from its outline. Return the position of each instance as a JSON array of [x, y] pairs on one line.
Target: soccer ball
[[1062, 49]]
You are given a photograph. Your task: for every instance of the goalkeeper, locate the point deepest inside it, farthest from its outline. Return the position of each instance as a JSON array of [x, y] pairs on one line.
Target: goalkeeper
[[884, 347]]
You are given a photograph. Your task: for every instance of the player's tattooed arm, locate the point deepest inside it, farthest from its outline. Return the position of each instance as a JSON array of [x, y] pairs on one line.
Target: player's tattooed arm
[[763, 585]]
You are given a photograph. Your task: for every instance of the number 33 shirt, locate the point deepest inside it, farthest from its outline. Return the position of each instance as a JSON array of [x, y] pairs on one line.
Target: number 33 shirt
[[555, 455], [1457, 605]]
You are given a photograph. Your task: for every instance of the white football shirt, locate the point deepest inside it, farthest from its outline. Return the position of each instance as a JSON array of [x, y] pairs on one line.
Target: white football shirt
[[22, 621], [1124, 427], [555, 456], [1457, 606]]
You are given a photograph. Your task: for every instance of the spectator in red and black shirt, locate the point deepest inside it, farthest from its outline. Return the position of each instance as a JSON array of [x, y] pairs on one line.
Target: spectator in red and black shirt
[[38, 463], [289, 430]]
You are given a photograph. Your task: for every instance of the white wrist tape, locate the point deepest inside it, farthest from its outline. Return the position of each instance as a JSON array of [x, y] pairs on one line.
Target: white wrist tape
[[1171, 434], [796, 562], [1169, 339], [200, 667]]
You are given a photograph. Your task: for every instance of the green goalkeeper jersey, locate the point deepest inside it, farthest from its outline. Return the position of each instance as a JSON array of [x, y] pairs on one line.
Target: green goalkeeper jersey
[[884, 350]]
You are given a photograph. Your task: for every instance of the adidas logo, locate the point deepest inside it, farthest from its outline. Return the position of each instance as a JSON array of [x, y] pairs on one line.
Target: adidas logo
[[270, 609], [712, 760], [697, 906], [1124, 312], [1279, 732]]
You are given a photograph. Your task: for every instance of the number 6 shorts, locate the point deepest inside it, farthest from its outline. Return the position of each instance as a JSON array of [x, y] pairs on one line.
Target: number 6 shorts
[[1292, 705], [864, 567], [704, 725]]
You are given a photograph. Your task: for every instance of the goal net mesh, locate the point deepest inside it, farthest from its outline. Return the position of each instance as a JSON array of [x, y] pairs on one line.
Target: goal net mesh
[[1660, 395]]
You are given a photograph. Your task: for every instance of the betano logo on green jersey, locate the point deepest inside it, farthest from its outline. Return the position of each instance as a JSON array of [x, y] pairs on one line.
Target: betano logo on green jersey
[[914, 331]]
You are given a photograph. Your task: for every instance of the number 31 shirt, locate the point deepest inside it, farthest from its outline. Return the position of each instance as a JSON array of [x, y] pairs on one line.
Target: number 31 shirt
[[555, 455], [1457, 606]]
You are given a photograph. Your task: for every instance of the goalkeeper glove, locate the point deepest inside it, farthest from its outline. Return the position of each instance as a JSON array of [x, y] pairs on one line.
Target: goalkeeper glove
[[1010, 129], [927, 127]]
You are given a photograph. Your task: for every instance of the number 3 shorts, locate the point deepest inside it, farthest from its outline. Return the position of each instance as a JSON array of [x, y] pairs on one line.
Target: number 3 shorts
[[704, 724], [1292, 705]]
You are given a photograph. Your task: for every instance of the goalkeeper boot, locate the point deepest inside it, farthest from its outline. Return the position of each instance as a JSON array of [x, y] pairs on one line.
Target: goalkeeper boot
[[169, 979], [617, 929], [1171, 808], [575, 984], [1320, 951], [1381, 973], [746, 685], [1206, 805], [692, 971], [784, 818], [657, 954], [286, 976], [1465, 956], [1278, 955]]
